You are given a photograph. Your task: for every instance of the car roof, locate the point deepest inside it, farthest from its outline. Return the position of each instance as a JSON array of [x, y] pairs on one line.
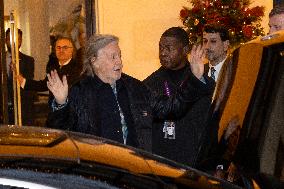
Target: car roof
[[77, 148]]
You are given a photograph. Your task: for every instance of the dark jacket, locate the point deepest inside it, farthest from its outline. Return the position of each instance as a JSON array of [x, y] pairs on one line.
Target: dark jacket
[[82, 113], [189, 127], [27, 97], [219, 100], [26, 64], [72, 70]]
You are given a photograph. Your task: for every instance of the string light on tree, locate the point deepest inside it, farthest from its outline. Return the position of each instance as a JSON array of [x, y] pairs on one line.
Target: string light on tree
[[241, 20]]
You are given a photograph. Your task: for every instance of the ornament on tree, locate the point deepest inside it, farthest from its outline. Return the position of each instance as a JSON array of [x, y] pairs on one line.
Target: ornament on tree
[[242, 22]]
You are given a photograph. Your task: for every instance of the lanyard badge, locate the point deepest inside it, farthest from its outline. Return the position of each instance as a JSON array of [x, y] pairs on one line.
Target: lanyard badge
[[169, 126], [169, 130]]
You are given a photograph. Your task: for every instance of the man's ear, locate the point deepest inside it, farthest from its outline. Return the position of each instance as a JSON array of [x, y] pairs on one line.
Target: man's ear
[[93, 60], [186, 49], [226, 45]]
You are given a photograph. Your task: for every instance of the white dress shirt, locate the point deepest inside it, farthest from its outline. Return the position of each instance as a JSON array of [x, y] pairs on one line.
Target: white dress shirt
[[65, 63], [218, 68]]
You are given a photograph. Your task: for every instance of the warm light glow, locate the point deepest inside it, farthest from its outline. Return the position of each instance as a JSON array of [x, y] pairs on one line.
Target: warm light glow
[[141, 56]]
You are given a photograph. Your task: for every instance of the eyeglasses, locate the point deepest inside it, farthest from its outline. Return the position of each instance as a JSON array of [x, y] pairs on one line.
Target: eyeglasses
[[63, 48]]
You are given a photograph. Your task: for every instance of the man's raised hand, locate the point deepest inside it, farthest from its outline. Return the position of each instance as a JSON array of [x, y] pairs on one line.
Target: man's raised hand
[[58, 88], [197, 57]]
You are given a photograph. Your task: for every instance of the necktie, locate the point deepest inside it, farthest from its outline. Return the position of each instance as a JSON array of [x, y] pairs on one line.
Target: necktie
[[212, 69]]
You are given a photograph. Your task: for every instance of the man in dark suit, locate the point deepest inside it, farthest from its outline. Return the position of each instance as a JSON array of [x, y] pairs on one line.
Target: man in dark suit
[[64, 63], [26, 65], [178, 139], [221, 68], [216, 45]]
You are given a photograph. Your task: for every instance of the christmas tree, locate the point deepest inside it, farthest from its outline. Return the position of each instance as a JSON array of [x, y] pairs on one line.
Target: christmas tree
[[242, 22]]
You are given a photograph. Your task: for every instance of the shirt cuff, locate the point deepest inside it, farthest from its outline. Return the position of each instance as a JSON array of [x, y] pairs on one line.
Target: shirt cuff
[[23, 83], [56, 107], [202, 79]]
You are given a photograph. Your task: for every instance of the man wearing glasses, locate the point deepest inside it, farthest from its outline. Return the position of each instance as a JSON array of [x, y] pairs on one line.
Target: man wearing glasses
[[64, 63]]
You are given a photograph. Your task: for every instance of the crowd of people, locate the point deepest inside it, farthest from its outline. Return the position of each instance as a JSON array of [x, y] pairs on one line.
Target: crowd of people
[[168, 113]]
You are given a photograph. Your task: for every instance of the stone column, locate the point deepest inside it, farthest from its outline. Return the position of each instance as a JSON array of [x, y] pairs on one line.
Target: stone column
[[34, 19]]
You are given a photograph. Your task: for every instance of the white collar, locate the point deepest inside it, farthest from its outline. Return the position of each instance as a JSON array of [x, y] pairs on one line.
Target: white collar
[[218, 68], [65, 63], [219, 65]]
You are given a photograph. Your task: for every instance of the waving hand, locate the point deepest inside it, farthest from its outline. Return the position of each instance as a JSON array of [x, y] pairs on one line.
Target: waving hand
[[58, 88]]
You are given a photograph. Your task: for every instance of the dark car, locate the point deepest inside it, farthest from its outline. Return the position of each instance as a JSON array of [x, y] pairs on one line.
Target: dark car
[[33, 157]]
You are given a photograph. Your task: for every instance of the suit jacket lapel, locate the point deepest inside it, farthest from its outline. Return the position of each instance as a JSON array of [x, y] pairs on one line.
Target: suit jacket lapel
[[223, 81], [206, 68]]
